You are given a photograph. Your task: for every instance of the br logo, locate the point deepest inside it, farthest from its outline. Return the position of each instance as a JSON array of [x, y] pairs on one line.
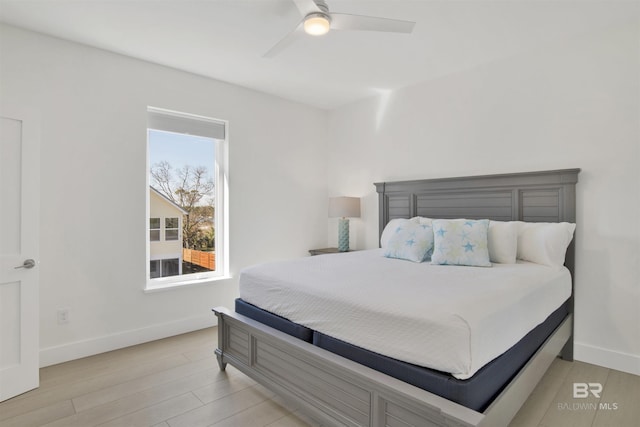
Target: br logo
[[582, 390]]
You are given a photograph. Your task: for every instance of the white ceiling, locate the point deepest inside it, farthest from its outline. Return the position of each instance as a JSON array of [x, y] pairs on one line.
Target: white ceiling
[[225, 39]]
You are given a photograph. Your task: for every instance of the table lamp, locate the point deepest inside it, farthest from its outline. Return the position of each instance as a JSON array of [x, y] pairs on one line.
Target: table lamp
[[344, 208]]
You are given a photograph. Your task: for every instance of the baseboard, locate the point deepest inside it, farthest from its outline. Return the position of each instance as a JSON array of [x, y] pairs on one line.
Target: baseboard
[[624, 362], [78, 349]]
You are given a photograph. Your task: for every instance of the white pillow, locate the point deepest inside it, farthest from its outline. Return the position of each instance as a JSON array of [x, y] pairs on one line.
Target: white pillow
[[390, 228], [544, 243], [460, 242], [503, 241], [411, 241]]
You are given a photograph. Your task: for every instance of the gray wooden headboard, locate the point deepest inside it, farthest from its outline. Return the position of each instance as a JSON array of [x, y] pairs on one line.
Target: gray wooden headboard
[[530, 196]]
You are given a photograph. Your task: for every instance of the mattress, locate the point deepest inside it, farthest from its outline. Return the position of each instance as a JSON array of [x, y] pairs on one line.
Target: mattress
[[274, 321], [475, 393], [448, 318]]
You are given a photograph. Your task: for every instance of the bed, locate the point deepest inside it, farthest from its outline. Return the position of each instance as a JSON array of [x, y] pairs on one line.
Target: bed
[[342, 383]]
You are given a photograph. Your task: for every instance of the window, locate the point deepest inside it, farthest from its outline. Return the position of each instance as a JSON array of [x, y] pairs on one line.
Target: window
[[164, 267], [154, 268], [187, 199], [154, 229], [170, 267], [171, 228]]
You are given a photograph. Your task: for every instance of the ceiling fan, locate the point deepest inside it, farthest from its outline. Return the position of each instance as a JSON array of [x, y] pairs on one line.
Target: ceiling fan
[[318, 20]]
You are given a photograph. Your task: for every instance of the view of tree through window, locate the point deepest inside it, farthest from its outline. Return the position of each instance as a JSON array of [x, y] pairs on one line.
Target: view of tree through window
[[182, 203]]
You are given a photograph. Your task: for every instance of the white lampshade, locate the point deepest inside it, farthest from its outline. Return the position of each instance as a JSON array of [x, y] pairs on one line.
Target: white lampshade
[[317, 24], [344, 207]]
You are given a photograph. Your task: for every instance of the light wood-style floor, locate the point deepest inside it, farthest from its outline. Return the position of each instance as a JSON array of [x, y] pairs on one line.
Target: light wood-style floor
[[176, 382]]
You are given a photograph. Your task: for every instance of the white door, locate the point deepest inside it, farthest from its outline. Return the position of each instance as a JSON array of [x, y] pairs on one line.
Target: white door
[[19, 310]]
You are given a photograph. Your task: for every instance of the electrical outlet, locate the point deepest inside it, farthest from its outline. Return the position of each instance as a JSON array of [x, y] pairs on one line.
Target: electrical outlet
[[63, 316]]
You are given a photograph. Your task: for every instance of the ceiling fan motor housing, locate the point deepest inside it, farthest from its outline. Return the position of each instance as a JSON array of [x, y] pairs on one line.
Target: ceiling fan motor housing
[[317, 23]]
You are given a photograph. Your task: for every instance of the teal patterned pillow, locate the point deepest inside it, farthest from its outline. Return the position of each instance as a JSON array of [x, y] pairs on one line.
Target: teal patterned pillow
[[460, 242], [411, 241]]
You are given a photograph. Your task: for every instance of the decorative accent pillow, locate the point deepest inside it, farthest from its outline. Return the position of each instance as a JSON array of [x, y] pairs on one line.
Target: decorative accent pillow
[[503, 241], [461, 242], [544, 243], [410, 240], [390, 229]]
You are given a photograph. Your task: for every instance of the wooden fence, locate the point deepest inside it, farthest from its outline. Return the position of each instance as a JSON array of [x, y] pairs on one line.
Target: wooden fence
[[203, 259]]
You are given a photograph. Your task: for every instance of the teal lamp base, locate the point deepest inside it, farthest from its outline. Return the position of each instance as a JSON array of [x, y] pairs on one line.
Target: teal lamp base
[[343, 235]]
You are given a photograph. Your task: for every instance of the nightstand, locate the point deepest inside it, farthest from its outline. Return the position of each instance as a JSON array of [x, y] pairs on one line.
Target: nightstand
[[325, 251]]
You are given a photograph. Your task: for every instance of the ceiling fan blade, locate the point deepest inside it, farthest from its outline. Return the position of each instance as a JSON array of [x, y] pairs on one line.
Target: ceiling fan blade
[[306, 6], [344, 21], [285, 42]]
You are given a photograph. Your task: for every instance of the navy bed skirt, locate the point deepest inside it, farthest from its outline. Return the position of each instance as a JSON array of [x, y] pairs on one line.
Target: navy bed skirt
[[475, 393]]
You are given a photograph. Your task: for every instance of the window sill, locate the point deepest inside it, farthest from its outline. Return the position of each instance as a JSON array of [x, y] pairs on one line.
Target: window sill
[[184, 284]]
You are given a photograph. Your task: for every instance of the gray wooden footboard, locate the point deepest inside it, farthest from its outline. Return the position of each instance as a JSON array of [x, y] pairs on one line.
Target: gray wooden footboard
[[339, 392]]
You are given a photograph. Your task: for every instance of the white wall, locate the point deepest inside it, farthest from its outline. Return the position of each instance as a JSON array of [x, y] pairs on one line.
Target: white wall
[[564, 106], [93, 107]]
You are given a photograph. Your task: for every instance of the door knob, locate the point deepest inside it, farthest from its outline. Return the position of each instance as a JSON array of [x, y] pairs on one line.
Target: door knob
[[28, 263]]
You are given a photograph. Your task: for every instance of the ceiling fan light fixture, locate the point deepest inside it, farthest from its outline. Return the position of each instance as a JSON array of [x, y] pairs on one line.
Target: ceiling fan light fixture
[[317, 24]]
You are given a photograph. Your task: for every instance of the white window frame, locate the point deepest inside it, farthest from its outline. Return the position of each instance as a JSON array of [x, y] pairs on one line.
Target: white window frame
[[180, 123]]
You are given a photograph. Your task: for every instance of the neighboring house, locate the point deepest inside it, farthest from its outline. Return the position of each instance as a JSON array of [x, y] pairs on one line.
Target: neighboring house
[[165, 235]]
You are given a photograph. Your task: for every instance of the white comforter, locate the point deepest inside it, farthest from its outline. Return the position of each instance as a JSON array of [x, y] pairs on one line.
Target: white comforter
[[453, 319]]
